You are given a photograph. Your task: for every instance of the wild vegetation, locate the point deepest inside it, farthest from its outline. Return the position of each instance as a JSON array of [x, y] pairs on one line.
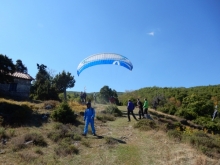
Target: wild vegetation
[[47, 129], [45, 86], [194, 104], [39, 140]]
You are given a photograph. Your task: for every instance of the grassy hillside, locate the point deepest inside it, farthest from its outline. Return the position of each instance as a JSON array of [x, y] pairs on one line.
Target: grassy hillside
[[162, 141], [195, 104]]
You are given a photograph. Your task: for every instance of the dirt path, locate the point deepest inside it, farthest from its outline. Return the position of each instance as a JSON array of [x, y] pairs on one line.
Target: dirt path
[[141, 147], [117, 143]]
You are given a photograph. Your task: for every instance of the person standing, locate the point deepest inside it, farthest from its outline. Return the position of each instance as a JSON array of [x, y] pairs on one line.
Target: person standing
[[94, 97], [140, 106], [215, 113], [89, 117], [81, 97], [145, 106], [84, 96], [130, 108]]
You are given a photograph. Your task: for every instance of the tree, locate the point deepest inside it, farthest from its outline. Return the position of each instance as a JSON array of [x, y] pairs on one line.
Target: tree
[[106, 93], [19, 67], [42, 74], [6, 69], [42, 88], [62, 81]]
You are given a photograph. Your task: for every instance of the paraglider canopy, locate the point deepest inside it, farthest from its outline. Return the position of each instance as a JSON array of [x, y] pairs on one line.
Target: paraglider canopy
[[104, 58]]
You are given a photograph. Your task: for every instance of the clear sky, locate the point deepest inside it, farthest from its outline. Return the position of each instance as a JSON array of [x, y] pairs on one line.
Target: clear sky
[[171, 43]]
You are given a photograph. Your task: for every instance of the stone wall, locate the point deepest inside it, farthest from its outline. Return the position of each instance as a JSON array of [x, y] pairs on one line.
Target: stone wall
[[22, 91]]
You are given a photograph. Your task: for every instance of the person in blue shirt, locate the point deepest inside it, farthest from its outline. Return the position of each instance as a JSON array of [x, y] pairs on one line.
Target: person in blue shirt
[[130, 108], [89, 117]]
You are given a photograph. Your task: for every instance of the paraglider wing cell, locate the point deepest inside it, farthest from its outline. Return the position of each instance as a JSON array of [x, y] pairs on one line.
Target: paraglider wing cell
[[105, 58]]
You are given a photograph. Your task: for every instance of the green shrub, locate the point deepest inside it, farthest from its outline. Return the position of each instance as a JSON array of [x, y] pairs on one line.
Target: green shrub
[[174, 125], [207, 123], [209, 145], [172, 110], [63, 113], [105, 117], [188, 114], [163, 109], [176, 134], [146, 125], [54, 136], [113, 109]]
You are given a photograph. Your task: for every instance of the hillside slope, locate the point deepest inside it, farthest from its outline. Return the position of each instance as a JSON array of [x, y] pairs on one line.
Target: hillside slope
[[118, 142]]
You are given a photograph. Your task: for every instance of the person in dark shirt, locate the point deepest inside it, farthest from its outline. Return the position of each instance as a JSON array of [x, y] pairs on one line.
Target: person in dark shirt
[[140, 106], [130, 108]]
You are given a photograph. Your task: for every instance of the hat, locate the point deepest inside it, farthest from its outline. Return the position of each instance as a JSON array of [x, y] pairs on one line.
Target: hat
[[88, 103]]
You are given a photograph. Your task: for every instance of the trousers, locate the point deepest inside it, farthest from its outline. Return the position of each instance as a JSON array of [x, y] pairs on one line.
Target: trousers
[[131, 112], [91, 122]]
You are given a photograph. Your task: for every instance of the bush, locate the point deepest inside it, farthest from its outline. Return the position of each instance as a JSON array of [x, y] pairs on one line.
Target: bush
[[210, 146], [207, 123], [52, 103], [174, 125], [113, 109], [15, 114], [176, 134], [54, 136], [163, 109], [187, 114], [37, 139], [63, 114], [105, 117], [20, 142], [146, 125]]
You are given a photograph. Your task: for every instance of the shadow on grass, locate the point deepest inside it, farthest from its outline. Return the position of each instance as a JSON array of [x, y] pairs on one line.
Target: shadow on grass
[[111, 140], [120, 141], [99, 137]]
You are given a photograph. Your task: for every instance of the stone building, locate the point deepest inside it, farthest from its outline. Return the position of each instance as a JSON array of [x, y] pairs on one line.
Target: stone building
[[19, 89]]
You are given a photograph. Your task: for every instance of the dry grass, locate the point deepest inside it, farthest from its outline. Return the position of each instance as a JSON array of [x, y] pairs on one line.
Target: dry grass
[[118, 142], [77, 107], [33, 106]]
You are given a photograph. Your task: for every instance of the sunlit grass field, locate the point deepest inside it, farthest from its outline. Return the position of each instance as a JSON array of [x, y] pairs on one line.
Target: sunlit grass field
[[118, 141]]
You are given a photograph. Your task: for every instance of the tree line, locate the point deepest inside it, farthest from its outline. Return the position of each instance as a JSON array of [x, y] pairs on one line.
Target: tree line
[[196, 104], [45, 86]]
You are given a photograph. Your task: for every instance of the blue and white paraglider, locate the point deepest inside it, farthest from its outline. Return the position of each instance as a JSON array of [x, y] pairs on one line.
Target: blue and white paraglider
[[104, 58]]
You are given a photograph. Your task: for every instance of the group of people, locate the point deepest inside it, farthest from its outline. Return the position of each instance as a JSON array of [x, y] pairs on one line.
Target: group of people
[[89, 114], [143, 109], [83, 97]]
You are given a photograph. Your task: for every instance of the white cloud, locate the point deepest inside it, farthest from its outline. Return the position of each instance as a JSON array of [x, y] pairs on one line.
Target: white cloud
[[151, 34]]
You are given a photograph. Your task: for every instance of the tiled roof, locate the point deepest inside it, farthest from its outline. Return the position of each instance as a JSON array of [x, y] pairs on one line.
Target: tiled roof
[[22, 75]]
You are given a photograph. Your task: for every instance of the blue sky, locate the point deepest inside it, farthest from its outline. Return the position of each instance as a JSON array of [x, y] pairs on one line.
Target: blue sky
[[170, 43]]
